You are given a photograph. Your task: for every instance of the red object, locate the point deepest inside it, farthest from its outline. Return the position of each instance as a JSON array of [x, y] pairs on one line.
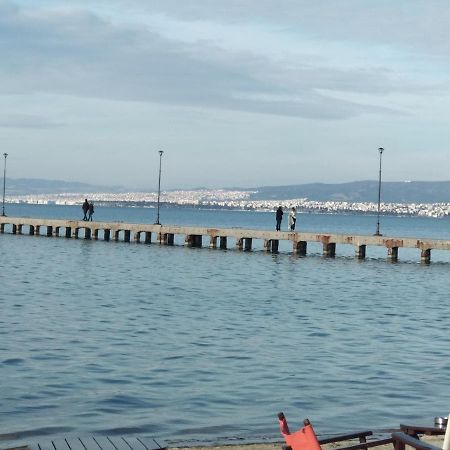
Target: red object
[[303, 439]]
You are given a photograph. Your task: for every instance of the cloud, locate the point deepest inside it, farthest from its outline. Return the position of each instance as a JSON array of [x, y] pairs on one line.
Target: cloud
[[418, 23], [26, 121], [76, 52]]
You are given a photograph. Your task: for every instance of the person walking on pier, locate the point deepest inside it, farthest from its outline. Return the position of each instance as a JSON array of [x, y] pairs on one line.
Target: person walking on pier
[[279, 218], [292, 218], [91, 211], [85, 208]]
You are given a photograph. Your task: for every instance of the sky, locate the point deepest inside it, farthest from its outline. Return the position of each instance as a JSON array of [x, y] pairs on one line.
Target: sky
[[237, 93]]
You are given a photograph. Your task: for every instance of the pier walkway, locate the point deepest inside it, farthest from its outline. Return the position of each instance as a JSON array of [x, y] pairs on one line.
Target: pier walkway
[[221, 238]]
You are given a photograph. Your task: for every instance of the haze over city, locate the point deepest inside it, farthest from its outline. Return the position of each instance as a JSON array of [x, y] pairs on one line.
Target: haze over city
[[236, 93]]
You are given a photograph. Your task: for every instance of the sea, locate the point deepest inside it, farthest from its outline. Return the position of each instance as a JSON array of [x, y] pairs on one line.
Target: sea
[[205, 346]]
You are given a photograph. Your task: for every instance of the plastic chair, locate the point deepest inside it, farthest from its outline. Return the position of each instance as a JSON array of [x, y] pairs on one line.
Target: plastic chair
[[306, 439]]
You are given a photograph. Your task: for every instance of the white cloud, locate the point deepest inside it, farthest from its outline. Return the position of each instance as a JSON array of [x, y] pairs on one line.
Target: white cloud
[[26, 121], [78, 53]]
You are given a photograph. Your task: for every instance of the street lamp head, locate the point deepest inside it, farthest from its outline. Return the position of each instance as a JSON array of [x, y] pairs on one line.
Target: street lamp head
[[5, 154], [160, 152], [381, 150]]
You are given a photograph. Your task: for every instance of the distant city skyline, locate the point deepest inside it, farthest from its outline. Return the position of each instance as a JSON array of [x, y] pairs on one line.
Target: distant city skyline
[[237, 93]]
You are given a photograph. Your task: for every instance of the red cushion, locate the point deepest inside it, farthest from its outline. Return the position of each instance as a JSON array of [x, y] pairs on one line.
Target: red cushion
[[303, 439]]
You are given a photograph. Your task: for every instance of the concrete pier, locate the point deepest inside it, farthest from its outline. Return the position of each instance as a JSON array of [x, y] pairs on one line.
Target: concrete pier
[[217, 237]]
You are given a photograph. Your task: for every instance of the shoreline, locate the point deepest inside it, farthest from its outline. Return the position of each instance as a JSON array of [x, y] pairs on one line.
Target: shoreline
[[434, 440]]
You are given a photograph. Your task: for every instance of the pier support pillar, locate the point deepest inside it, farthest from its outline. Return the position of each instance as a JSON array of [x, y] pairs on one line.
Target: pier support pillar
[[2, 228], [425, 256], [37, 230], [56, 231], [87, 233], [75, 232], [193, 240], [213, 242], [239, 243], [116, 235], [299, 247], [147, 237], [19, 229], [329, 249], [68, 232], [360, 251], [49, 230], [126, 235], [137, 237], [168, 239], [271, 245], [393, 253], [96, 234], [30, 231], [223, 242], [107, 234], [14, 228]]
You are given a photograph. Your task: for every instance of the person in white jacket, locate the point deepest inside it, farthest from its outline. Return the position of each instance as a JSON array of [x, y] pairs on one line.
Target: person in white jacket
[[292, 218]]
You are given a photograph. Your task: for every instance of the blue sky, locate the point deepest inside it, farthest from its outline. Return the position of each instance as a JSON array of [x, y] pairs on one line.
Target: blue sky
[[237, 93]]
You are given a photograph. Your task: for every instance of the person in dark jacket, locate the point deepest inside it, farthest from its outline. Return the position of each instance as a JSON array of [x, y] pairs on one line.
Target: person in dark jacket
[[91, 211], [85, 208], [279, 217]]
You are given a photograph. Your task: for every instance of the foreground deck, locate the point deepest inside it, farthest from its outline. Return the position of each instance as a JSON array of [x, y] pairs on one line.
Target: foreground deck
[[95, 443], [99, 443], [216, 237]]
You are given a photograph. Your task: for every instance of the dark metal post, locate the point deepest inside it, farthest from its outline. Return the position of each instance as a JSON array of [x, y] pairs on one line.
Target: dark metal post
[[4, 183], [159, 186], [377, 233]]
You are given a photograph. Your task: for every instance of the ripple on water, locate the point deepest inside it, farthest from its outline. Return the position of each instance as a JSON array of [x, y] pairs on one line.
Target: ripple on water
[[13, 361]]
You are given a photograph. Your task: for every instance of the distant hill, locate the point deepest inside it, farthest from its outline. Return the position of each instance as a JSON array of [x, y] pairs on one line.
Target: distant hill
[[355, 191], [362, 191], [25, 186]]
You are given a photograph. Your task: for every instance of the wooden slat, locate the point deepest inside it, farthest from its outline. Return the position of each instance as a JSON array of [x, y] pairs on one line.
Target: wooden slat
[[60, 444], [103, 443], [76, 443], [152, 444], [46, 445], [368, 444], [134, 443], [118, 443], [346, 437]]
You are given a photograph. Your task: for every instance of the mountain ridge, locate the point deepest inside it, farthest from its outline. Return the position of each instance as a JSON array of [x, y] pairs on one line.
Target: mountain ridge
[[354, 191]]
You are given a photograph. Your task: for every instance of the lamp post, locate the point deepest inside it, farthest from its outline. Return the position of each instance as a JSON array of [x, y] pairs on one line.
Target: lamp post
[[4, 183], [377, 233], [159, 186]]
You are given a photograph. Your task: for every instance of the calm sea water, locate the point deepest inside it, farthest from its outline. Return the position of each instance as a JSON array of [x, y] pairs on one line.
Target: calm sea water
[[200, 345]]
